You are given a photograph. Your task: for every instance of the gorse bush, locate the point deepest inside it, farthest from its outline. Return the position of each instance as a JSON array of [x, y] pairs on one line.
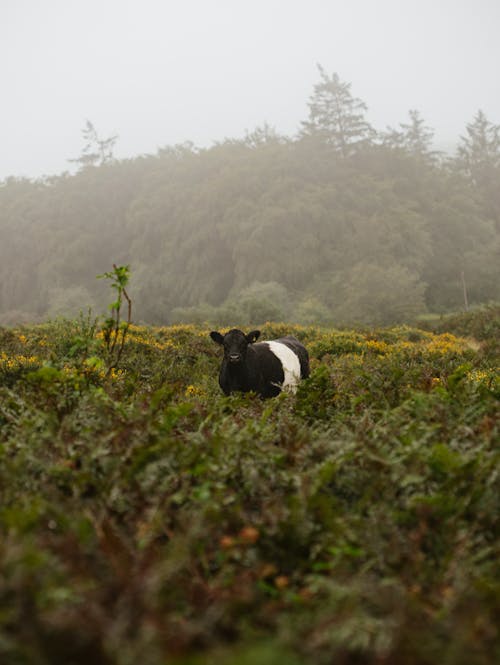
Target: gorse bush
[[483, 324], [147, 518]]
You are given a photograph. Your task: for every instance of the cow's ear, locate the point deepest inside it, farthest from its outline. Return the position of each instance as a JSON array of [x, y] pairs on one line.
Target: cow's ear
[[253, 336], [217, 337]]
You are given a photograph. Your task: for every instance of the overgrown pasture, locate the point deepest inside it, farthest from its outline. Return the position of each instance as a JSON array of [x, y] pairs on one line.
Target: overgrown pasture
[[146, 518]]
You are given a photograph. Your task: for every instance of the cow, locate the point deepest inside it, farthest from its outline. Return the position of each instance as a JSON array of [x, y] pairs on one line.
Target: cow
[[265, 368]]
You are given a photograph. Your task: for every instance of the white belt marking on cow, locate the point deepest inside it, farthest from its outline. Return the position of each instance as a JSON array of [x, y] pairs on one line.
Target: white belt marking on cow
[[291, 365]]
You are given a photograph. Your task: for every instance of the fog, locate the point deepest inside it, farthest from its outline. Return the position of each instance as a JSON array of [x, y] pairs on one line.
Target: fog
[[164, 72]]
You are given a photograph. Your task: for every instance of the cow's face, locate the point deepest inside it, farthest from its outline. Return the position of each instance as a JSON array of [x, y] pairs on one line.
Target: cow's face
[[235, 344]]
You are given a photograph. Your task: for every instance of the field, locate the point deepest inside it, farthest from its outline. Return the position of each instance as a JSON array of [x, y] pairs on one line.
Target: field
[[146, 518]]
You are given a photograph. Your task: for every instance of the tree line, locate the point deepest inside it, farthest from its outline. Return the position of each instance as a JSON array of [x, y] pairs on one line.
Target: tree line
[[338, 224]]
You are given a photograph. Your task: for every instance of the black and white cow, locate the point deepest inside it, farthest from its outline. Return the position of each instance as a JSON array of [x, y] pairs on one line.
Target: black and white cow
[[266, 368]]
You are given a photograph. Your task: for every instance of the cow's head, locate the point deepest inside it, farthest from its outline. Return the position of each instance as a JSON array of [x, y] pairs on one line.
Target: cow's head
[[235, 343]]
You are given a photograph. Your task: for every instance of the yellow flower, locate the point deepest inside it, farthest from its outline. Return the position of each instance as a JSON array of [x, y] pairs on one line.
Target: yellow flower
[[192, 391], [377, 346], [17, 362], [116, 374]]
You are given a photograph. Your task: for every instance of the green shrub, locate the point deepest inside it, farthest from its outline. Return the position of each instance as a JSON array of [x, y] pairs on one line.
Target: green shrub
[[146, 517]]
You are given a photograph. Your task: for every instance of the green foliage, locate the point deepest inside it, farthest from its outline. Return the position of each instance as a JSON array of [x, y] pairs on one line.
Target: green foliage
[[382, 294], [482, 324], [146, 517], [114, 330], [252, 305], [350, 226]]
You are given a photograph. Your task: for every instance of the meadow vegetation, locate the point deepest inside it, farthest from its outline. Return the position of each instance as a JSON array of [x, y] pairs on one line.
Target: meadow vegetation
[[146, 518]]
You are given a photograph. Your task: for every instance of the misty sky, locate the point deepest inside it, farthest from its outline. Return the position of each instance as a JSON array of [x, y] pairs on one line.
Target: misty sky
[[160, 72]]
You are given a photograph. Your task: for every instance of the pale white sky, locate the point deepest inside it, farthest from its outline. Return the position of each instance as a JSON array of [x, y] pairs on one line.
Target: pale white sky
[[160, 72]]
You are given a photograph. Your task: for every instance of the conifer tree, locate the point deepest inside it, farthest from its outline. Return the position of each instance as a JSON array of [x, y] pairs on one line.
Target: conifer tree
[[478, 156], [414, 137], [479, 150], [417, 137], [97, 151], [336, 117]]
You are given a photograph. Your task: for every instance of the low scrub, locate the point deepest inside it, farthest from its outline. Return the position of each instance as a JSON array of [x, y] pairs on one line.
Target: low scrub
[[147, 518]]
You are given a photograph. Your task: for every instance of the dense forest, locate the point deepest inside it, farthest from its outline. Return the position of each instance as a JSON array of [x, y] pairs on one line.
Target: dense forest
[[338, 224]]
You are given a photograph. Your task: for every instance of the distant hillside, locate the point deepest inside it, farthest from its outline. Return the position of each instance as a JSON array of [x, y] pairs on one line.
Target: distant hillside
[[331, 226]]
